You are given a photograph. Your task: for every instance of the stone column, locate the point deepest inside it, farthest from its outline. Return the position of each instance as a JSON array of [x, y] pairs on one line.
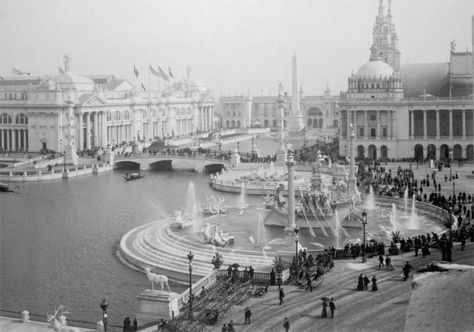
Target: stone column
[[348, 124], [88, 131], [437, 124], [390, 120], [425, 125], [13, 140], [378, 120], [412, 123], [81, 132], [25, 144], [96, 129], [291, 192], [366, 124], [450, 124], [464, 124]]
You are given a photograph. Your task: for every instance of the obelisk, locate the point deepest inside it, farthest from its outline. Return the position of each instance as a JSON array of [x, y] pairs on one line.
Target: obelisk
[[295, 119], [70, 147], [291, 193]]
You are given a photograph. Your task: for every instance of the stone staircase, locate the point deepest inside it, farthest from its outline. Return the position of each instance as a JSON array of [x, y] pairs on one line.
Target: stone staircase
[[165, 250]]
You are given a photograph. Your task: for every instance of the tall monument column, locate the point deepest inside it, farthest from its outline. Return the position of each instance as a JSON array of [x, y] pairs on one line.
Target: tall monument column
[[291, 192], [70, 145], [281, 152], [352, 169], [295, 119]]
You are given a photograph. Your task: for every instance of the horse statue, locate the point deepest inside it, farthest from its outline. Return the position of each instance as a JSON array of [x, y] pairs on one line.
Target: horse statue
[[160, 278], [58, 321]]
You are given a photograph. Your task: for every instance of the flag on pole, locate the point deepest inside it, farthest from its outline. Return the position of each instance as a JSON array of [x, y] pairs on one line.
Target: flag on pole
[[135, 71], [170, 73], [1, 78], [143, 86], [163, 75], [61, 71], [154, 72], [20, 72]]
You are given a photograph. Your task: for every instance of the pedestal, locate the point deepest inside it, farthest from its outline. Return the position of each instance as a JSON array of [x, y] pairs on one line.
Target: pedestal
[[71, 155], [154, 305], [235, 160], [295, 123]]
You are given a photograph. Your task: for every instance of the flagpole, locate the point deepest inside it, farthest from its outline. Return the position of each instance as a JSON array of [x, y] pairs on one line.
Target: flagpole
[[149, 87]]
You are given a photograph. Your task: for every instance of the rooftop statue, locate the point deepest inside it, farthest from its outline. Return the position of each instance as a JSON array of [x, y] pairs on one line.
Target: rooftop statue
[[67, 63]]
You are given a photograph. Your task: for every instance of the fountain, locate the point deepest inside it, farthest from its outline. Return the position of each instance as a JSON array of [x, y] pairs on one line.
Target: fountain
[[261, 241], [412, 222], [370, 203], [394, 217], [242, 203], [405, 200], [192, 207]]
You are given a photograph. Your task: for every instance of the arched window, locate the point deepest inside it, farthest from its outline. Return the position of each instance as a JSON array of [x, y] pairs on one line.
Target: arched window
[[117, 115], [21, 119], [109, 116], [5, 119], [126, 115]]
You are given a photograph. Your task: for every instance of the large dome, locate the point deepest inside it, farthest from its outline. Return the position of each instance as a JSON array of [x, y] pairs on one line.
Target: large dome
[[376, 68]]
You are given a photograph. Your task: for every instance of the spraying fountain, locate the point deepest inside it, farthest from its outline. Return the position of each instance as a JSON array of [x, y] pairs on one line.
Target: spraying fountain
[[405, 201], [370, 202], [242, 203], [413, 220]]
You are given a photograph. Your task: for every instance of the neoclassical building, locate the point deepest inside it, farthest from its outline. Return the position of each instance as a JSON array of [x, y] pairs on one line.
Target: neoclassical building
[[107, 111], [411, 111], [247, 111]]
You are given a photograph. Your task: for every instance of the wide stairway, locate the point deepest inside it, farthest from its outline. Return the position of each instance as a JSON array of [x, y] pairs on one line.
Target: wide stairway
[[158, 246]]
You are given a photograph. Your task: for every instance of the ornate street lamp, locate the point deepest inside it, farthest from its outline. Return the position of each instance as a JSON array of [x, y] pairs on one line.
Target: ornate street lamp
[[238, 147], [364, 222], [454, 193], [190, 258], [297, 230], [103, 306]]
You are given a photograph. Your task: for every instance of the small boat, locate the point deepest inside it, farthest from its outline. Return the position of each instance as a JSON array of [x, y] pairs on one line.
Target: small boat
[[134, 176], [4, 188]]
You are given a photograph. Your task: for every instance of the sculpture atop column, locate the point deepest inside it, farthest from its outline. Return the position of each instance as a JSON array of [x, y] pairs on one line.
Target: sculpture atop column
[[281, 103], [70, 135]]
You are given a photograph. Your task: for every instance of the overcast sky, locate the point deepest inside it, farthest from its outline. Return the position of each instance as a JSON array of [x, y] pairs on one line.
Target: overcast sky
[[232, 46]]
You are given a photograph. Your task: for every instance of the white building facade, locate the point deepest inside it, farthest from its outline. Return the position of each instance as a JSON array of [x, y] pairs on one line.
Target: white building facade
[[107, 111], [421, 111]]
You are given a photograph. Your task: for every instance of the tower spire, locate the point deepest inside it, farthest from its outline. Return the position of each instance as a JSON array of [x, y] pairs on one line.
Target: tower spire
[[389, 14], [381, 8]]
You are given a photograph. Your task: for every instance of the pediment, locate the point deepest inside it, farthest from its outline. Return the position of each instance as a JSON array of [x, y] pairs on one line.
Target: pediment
[[94, 101]]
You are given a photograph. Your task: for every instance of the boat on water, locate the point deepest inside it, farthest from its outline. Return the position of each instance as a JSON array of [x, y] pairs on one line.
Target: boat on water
[[181, 219], [134, 176], [4, 188]]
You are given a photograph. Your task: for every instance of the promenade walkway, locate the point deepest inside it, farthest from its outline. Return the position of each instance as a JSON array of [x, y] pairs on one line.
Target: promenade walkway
[[384, 310]]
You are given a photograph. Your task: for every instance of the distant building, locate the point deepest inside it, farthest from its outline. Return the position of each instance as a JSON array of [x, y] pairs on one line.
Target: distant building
[[107, 111], [262, 111], [414, 111]]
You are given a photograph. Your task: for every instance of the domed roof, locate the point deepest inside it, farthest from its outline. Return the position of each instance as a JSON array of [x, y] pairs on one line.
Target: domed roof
[[375, 68], [70, 81]]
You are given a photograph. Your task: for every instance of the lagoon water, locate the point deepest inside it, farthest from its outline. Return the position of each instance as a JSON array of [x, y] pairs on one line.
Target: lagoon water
[[57, 240]]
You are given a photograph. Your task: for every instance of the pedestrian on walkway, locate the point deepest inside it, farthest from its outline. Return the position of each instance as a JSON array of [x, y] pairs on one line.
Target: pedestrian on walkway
[[380, 261], [286, 324], [230, 326], [224, 328], [366, 282], [374, 284], [248, 313], [281, 295], [406, 271], [324, 312], [388, 262], [360, 282], [332, 307]]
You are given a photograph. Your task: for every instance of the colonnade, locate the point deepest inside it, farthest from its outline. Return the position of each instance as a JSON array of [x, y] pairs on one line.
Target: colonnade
[[441, 123], [206, 118], [14, 139], [381, 131]]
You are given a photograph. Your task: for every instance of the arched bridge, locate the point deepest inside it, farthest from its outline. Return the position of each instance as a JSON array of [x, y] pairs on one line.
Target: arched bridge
[[198, 163]]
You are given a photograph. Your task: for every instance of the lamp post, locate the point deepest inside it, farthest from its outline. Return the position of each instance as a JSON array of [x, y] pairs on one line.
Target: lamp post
[[454, 193], [297, 230], [364, 222], [103, 306], [190, 258], [238, 147]]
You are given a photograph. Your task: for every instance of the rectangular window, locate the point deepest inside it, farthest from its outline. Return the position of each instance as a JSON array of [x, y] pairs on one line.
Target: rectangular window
[[372, 132], [361, 132], [373, 117], [384, 132]]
